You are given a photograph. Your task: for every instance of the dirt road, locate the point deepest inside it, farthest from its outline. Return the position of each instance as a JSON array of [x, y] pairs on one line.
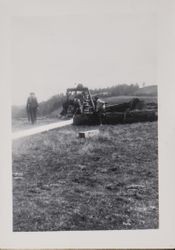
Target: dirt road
[[40, 129]]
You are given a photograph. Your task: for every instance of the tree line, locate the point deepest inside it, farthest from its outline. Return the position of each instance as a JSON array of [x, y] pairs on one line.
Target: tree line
[[122, 89]]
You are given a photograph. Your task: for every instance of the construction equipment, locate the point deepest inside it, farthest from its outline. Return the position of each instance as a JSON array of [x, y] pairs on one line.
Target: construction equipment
[[78, 101], [82, 106]]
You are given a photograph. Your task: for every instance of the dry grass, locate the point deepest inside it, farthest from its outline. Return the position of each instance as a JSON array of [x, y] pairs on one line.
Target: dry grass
[[61, 182]]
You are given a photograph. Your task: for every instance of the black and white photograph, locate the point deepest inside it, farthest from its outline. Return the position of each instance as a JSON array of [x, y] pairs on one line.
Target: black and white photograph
[[87, 124], [85, 119]]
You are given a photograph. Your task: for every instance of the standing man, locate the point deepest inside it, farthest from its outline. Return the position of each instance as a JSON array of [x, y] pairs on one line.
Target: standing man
[[31, 108], [100, 108]]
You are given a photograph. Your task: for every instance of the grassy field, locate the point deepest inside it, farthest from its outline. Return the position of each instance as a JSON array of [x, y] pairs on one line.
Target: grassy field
[[61, 182]]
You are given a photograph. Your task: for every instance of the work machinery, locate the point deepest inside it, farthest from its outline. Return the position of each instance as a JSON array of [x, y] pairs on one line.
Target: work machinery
[[82, 106]]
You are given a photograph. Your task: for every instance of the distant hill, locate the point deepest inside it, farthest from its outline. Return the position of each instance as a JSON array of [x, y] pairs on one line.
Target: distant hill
[[148, 90], [116, 90]]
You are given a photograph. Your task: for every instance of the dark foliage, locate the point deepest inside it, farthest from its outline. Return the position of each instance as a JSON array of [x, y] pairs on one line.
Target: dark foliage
[[122, 89]]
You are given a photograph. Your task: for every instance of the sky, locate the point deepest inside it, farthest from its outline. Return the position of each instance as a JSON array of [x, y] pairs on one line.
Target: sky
[[98, 49]]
